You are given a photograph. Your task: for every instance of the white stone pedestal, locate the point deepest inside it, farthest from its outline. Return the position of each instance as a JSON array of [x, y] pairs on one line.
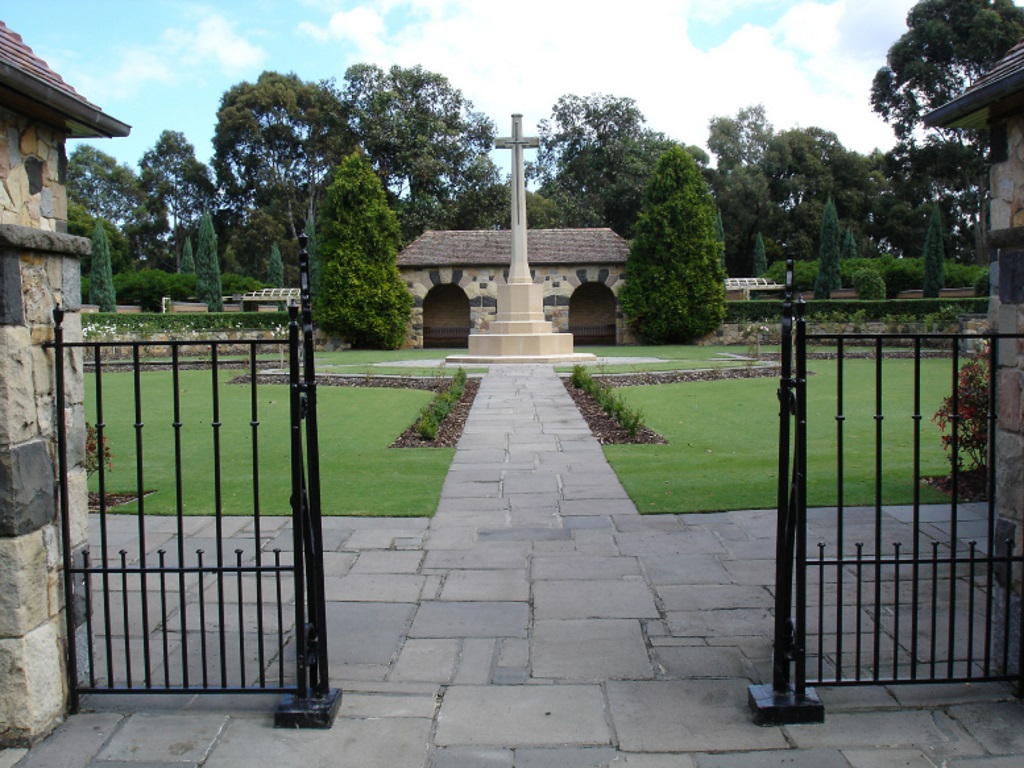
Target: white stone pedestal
[[520, 334]]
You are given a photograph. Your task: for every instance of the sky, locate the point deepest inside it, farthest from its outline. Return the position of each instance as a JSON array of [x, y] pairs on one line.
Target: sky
[[165, 64]]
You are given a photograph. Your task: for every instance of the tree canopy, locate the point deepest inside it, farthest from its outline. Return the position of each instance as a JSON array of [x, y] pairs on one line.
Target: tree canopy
[[948, 45], [596, 155], [427, 145]]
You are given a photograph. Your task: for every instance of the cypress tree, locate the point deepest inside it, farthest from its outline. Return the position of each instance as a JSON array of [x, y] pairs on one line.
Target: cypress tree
[[829, 278], [314, 258], [208, 289], [188, 261], [934, 256], [849, 250], [720, 232], [275, 268], [362, 295], [760, 257], [675, 286], [101, 278]]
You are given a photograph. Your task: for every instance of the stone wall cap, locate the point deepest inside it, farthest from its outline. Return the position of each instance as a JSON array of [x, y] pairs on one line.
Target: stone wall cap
[[30, 239]]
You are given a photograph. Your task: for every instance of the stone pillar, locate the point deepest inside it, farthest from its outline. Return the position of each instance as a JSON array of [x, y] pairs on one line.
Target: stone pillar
[[37, 269]]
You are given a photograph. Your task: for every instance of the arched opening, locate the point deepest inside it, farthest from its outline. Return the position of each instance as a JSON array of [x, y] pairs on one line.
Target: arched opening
[[446, 320], [592, 314]]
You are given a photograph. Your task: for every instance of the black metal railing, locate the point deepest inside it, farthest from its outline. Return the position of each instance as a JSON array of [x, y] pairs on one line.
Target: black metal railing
[[210, 586], [889, 594]]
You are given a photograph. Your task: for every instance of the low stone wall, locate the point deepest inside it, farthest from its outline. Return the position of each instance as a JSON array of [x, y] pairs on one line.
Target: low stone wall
[[739, 334]]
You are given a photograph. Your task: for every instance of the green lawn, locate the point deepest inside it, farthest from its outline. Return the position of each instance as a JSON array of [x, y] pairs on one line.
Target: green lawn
[[722, 451], [723, 440], [360, 475]]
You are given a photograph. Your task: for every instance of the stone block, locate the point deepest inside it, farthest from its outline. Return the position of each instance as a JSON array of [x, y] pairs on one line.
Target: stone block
[[23, 584], [1009, 406], [10, 289], [26, 488], [17, 395], [31, 677]]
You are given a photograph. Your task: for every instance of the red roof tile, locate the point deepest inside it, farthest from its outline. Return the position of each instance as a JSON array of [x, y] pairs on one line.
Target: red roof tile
[[14, 51]]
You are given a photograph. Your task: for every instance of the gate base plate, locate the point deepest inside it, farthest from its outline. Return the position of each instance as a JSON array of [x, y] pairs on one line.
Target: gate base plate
[[310, 712], [771, 707]]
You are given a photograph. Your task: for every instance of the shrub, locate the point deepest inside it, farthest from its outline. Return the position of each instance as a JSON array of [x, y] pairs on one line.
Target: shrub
[[869, 284], [983, 283], [610, 401], [903, 275], [967, 419], [148, 287], [836, 310], [436, 411], [94, 455]]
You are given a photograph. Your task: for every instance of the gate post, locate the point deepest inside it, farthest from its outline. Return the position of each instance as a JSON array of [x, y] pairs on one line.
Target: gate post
[[38, 270], [314, 704], [784, 702]]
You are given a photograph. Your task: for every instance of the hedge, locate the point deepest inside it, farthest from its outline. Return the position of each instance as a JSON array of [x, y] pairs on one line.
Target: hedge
[[99, 324], [898, 274], [854, 310]]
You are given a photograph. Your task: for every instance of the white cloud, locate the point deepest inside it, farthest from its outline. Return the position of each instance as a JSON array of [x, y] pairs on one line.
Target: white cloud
[[216, 40], [810, 63]]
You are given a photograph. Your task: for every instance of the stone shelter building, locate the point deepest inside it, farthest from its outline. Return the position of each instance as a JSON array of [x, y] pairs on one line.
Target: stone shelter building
[[454, 275], [996, 102], [39, 268]]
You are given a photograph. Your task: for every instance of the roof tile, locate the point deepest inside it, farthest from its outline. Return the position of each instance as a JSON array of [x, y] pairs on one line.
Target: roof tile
[[494, 247]]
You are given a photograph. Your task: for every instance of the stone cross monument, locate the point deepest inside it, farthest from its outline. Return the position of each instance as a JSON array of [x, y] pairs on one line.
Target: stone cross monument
[[520, 333]]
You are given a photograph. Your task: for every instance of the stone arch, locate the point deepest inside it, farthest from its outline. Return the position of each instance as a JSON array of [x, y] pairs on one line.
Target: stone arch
[[592, 309], [446, 319]]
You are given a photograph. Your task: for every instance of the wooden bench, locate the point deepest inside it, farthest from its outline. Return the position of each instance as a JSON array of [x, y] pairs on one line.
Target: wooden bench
[[593, 333], [439, 336]]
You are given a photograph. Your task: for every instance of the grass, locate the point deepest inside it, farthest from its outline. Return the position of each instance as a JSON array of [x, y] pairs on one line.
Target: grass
[[723, 440], [722, 451], [360, 475]]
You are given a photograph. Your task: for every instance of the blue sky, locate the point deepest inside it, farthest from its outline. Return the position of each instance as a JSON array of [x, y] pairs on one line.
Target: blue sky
[[164, 64]]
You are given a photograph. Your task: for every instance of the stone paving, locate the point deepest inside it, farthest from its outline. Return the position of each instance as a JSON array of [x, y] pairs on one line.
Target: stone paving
[[537, 621]]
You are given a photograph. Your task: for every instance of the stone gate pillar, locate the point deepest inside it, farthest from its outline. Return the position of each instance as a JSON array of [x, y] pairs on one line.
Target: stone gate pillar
[[38, 269]]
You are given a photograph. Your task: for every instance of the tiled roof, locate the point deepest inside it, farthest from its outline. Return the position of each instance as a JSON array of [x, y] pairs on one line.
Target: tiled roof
[[28, 85], [494, 247]]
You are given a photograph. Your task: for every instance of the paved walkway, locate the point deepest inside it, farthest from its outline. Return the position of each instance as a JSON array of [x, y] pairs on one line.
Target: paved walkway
[[538, 621]]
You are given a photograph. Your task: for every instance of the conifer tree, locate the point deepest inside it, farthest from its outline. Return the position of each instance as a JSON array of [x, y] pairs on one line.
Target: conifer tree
[[849, 250], [675, 289], [275, 268], [934, 256], [208, 289], [314, 258], [829, 278], [760, 257], [101, 278], [720, 232], [362, 295], [188, 261]]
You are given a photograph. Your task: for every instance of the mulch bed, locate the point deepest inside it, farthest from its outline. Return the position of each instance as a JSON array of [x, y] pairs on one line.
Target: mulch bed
[[972, 484], [450, 430]]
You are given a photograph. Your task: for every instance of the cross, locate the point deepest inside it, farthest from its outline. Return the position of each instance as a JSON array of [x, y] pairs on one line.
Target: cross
[[519, 271]]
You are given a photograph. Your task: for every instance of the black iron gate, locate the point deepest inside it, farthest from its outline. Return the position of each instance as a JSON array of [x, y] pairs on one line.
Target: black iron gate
[[213, 584], [874, 592]]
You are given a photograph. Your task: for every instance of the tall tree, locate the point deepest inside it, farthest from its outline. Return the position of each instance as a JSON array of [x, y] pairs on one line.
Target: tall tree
[[105, 188], [188, 259], [829, 278], [740, 141], [314, 257], [849, 247], [275, 144], [177, 186], [948, 45], [101, 279], [934, 256], [275, 268], [362, 296], [676, 288], [427, 144], [760, 259], [208, 289], [596, 156]]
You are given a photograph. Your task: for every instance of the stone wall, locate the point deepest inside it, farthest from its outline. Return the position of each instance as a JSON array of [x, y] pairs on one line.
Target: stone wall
[[32, 170], [480, 284], [37, 269]]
